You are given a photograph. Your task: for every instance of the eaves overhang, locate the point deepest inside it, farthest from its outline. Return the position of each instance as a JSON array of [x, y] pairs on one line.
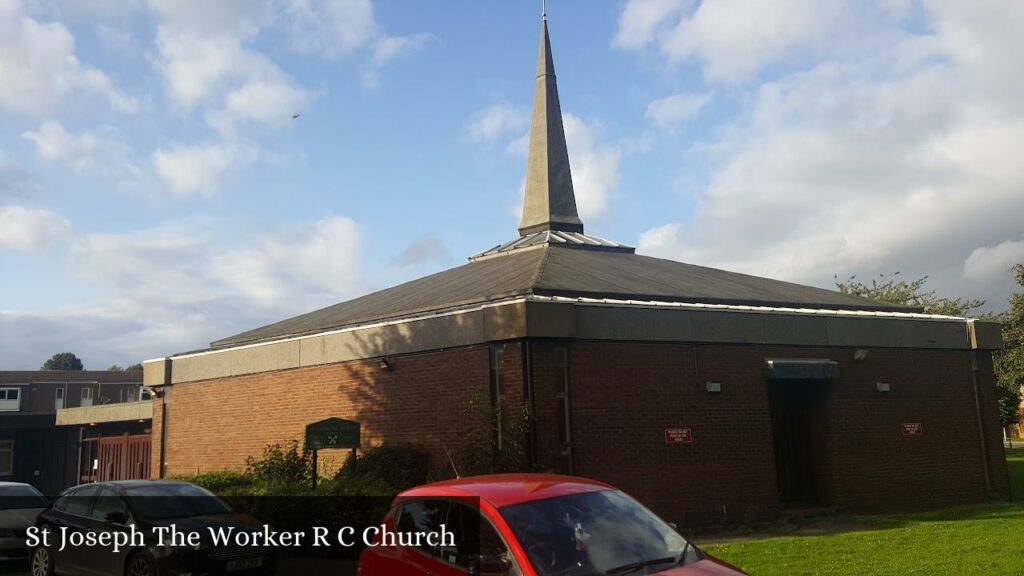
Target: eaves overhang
[[537, 316]]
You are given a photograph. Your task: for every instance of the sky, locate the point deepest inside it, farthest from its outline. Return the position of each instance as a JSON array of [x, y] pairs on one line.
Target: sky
[[157, 191]]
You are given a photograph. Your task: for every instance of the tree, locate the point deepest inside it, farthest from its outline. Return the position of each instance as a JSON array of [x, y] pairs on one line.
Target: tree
[[63, 361], [131, 368], [909, 293], [1009, 362]]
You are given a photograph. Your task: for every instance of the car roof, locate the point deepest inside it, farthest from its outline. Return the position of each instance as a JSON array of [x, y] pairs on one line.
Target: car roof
[[135, 483], [10, 484], [508, 489]]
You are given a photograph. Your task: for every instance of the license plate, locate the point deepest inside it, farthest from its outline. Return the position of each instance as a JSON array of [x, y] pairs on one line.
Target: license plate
[[244, 564]]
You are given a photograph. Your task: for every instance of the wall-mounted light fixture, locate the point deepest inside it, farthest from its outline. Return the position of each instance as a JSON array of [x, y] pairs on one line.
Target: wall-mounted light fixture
[[860, 355], [385, 364], [883, 387], [713, 387]]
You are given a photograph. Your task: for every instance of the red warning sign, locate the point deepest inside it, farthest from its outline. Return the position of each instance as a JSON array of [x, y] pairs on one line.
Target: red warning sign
[[912, 429], [678, 436]]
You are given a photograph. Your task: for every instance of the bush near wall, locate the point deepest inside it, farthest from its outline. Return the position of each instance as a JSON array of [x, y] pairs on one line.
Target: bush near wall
[[277, 487]]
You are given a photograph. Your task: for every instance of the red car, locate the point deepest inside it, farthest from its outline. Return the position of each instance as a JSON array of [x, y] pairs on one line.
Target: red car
[[530, 525]]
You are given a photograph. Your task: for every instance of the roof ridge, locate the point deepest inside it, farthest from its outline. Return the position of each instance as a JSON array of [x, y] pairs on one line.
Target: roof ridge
[[540, 268]]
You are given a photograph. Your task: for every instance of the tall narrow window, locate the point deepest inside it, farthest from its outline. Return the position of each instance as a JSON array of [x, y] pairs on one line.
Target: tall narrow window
[[498, 387], [6, 457], [10, 399], [86, 396], [58, 398], [562, 397]]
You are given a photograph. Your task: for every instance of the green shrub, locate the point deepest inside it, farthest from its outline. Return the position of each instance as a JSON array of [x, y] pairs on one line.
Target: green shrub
[[395, 466], [281, 468], [220, 482]]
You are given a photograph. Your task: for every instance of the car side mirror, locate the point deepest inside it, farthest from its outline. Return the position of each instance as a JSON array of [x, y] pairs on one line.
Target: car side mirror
[[115, 517], [489, 565], [673, 526]]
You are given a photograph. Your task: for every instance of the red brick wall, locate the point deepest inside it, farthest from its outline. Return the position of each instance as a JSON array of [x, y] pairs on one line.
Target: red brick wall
[[624, 396], [215, 424]]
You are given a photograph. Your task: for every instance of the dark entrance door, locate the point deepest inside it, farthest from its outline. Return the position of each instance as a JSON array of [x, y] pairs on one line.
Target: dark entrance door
[[794, 408]]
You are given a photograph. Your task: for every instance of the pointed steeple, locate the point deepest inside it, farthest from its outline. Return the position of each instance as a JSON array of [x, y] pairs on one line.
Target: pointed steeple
[[549, 203]]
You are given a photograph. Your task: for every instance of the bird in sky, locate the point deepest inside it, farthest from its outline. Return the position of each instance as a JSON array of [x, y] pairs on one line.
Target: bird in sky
[[296, 115]]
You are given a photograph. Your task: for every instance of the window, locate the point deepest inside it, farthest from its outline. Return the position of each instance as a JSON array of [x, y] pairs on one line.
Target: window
[[86, 396], [108, 501], [79, 501], [10, 399], [475, 540], [6, 457], [58, 398], [497, 385], [422, 516]]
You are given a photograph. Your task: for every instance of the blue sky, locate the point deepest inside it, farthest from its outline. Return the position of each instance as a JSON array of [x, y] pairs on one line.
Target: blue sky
[[156, 194]]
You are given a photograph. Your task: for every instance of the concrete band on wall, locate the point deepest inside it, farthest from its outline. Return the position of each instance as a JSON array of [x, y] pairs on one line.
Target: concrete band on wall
[[541, 317]]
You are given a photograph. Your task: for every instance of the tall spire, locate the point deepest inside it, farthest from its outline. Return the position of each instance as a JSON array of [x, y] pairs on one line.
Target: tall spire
[[549, 203]]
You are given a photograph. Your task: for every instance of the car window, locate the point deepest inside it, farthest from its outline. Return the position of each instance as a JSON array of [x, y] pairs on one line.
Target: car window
[[79, 501], [107, 501], [15, 497], [475, 538], [422, 516]]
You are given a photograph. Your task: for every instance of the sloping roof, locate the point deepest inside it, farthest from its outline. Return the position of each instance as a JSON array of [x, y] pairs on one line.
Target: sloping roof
[[561, 270], [103, 376], [554, 237]]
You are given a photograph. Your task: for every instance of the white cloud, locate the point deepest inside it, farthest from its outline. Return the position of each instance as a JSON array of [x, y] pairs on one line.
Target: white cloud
[[672, 111], [30, 229], [188, 170], [640, 21], [495, 122], [332, 28], [80, 150], [341, 28], [388, 48], [310, 263], [991, 262], [425, 250], [896, 158], [39, 67], [595, 167], [177, 286]]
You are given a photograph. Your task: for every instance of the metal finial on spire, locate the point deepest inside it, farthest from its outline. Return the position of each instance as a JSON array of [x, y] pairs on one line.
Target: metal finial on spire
[[544, 10]]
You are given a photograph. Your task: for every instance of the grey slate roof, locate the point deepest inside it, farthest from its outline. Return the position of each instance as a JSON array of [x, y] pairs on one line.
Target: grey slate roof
[[561, 270]]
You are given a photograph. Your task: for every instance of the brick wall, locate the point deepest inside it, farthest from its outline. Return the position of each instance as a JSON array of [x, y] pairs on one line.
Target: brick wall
[[215, 424], [624, 396]]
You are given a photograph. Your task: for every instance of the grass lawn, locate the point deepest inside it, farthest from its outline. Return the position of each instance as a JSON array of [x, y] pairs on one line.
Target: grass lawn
[[984, 539]]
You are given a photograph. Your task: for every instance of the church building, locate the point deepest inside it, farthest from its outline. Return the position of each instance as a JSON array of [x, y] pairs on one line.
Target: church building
[[713, 397]]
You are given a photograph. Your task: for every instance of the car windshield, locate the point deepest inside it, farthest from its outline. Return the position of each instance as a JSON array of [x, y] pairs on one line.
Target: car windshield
[[21, 498], [596, 533], [166, 501]]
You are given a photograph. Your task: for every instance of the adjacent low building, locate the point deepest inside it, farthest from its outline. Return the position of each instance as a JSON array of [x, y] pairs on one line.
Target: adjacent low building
[[53, 423], [714, 397]]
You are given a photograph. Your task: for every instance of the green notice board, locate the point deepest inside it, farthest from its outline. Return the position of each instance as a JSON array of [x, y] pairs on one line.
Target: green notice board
[[332, 433]]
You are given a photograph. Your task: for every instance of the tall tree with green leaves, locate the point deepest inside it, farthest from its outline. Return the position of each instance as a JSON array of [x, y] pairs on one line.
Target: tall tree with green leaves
[[1009, 362], [63, 361], [895, 290]]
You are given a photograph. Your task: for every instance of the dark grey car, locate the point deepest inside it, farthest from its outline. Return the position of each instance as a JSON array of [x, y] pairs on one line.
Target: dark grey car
[[20, 505]]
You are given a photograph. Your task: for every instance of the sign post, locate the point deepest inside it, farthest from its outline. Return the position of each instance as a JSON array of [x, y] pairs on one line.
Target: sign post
[[330, 434]]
